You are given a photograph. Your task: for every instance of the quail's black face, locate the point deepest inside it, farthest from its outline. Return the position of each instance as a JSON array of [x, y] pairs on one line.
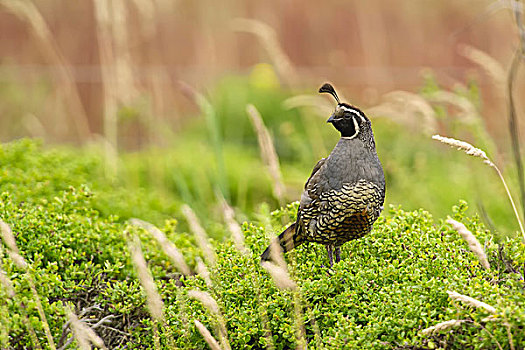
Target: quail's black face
[[349, 120]]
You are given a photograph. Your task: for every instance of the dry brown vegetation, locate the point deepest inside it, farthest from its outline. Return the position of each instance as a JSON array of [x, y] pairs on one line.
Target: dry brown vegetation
[[100, 56]]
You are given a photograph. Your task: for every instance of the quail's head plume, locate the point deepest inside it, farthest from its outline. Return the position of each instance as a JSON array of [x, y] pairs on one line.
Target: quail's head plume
[[344, 195], [349, 120]]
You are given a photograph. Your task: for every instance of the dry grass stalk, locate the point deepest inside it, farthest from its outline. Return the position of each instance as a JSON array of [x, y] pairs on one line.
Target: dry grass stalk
[[489, 333], [464, 146], [268, 153], [10, 242], [84, 335], [107, 60], [123, 69], [34, 126], [203, 271], [191, 93], [210, 303], [268, 38], [118, 77], [154, 301], [29, 326], [28, 12], [206, 300], [471, 301], [8, 237], [517, 9], [491, 66], [276, 253], [18, 260], [513, 117], [508, 326], [476, 152], [147, 11], [491, 318], [282, 279], [210, 340], [200, 234], [472, 241], [468, 113], [280, 276], [6, 282], [41, 313], [441, 327], [406, 107], [167, 246], [300, 331], [233, 226]]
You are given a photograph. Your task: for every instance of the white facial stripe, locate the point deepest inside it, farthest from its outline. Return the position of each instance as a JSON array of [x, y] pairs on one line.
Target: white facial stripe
[[356, 126], [353, 111]]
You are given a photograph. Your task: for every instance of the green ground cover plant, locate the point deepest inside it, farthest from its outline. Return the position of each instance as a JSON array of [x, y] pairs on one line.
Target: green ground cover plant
[[391, 285], [396, 288]]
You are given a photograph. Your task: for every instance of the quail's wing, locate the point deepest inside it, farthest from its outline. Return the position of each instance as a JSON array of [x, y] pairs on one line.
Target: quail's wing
[[311, 188], [309, 199]]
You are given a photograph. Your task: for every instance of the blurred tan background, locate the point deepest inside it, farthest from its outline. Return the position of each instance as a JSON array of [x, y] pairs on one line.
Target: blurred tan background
[[66, 64]]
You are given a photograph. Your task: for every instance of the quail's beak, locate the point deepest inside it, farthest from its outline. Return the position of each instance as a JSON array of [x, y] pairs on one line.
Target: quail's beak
[[331, 119]]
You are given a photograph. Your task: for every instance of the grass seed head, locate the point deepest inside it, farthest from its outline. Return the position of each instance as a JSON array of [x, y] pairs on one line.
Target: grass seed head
[[8, 237], [268, 153], [441, 327], [210, 340], [472, 241], [200, 234], [280, 276], [467, 110], [492, 67], [10, 242], [7, 284], [167, 246], [276, 253], [203, 271], [19, 261], [83, 334], [206, 300], [211, 304], [407, 108], [268, 38], [464, 146], [233, 226], [154, 301], [471, 301]]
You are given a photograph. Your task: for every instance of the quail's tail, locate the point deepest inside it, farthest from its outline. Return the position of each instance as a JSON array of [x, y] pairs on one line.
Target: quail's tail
[[288, 240]]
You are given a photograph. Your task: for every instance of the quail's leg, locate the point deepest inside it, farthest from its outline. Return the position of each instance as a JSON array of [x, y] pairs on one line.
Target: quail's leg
[[330, 249], [337, 254]]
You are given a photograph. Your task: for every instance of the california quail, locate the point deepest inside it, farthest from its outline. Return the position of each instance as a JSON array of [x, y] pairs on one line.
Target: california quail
[[345, 192]]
